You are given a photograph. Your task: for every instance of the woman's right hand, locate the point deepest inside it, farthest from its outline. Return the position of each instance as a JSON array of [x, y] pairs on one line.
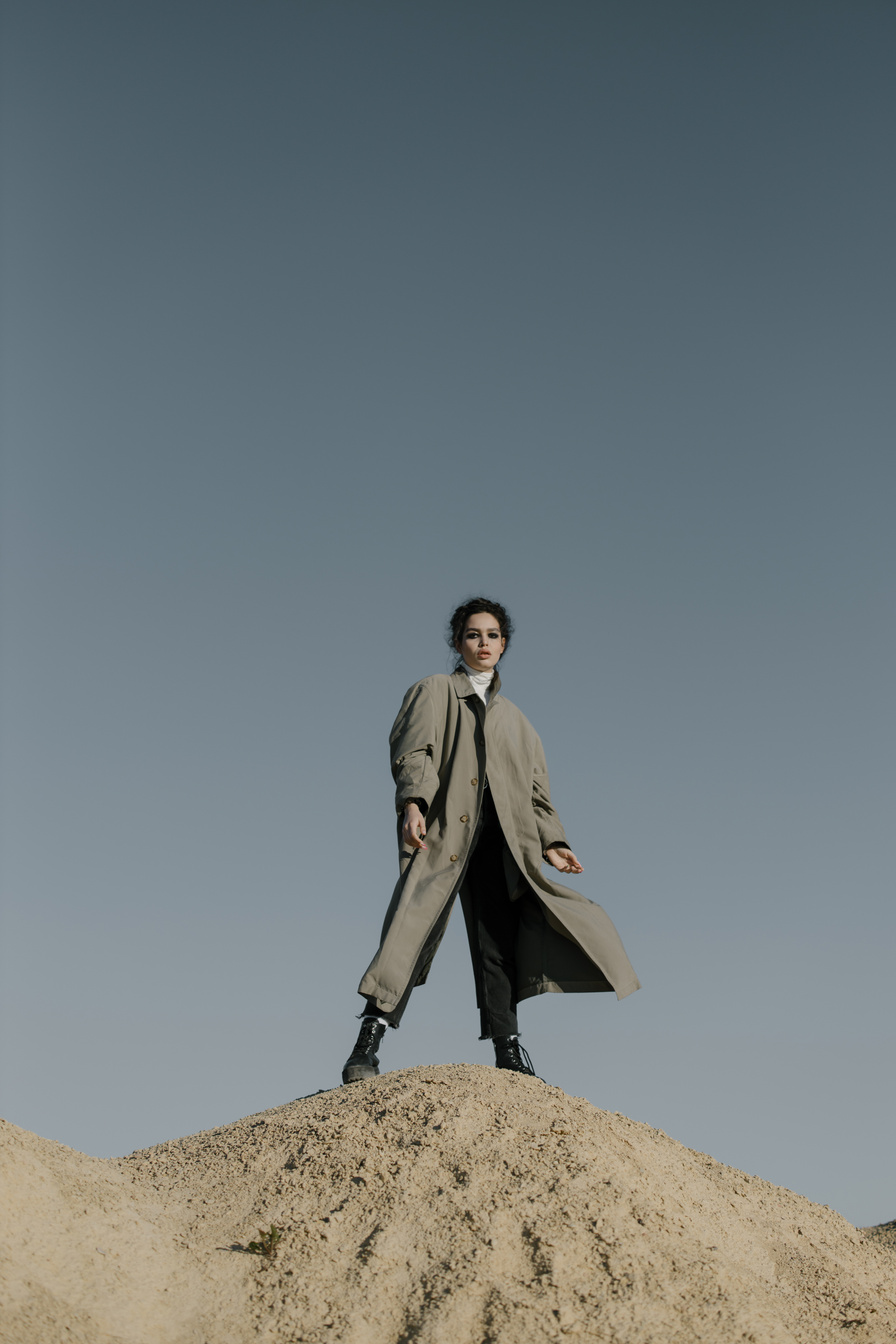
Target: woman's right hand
[[414, 828]]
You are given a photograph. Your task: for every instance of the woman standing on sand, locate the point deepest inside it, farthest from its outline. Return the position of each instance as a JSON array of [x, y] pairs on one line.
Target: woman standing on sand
[[475, 820]]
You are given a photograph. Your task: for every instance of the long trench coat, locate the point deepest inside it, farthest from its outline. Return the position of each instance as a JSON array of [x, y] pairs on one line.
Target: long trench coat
[[445, 743]]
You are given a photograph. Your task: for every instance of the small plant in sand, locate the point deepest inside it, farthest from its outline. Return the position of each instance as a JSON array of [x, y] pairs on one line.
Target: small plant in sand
[[267, 1243]]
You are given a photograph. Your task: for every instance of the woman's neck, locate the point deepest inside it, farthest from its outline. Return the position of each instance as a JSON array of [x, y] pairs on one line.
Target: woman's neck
[[482, 680]]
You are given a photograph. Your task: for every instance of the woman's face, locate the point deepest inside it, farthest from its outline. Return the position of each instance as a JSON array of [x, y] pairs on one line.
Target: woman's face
[[481, 643]]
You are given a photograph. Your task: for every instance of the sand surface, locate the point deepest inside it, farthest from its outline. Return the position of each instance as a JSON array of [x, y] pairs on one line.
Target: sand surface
[[448, 1205]]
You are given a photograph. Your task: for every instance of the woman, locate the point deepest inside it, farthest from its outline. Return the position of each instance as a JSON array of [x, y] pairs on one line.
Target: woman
[[475, 820]]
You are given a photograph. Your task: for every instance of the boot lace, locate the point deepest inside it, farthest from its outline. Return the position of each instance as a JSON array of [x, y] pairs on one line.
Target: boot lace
[[524, 1057], [369, 1036], [517, 1057]]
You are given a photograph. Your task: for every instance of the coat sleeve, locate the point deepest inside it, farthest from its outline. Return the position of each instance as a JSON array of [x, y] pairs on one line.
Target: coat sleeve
[[413, 742], [550, 831]]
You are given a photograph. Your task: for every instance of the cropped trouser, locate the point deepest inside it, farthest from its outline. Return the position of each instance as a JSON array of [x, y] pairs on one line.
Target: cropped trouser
[[492, 919]]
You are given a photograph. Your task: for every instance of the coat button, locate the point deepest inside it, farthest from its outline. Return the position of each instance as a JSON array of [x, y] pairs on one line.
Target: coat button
[[474, 781], [465, 817], [454, 858]]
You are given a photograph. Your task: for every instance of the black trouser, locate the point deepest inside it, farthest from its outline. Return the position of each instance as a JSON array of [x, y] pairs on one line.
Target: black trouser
[[492, 920]]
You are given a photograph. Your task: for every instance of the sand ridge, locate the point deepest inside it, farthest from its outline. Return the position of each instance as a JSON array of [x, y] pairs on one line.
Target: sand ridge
[[438, 1204]]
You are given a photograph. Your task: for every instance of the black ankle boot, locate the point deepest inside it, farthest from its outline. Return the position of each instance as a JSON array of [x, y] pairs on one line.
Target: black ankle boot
[[509, 1054], [363, 1061]]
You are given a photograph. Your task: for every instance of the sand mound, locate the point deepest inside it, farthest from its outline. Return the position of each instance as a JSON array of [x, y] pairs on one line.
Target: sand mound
[[446, 1205]]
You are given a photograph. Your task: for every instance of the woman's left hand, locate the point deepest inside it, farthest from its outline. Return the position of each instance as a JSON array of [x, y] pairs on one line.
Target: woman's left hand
[[563, 859]]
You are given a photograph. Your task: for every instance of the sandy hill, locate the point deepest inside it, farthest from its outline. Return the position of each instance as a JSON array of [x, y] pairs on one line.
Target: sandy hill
[[445, 1205]]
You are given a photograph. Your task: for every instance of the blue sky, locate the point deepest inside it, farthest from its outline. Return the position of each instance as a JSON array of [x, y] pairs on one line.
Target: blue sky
[[320, 317]]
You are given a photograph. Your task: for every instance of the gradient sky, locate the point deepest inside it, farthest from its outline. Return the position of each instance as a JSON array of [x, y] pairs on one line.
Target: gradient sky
[[319, 317]]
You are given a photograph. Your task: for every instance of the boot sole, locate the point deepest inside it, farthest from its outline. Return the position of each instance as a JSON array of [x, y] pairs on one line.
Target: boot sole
[[356, 1073]]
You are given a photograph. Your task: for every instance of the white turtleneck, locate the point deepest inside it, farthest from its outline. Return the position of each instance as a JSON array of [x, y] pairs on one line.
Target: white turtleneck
[[481, 681]]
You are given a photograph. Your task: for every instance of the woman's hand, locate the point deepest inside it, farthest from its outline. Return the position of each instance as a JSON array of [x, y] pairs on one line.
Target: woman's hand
[[563, 859], [414, 828]]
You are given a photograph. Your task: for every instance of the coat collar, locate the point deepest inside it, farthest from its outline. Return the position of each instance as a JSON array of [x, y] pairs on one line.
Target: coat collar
[[464, 688]]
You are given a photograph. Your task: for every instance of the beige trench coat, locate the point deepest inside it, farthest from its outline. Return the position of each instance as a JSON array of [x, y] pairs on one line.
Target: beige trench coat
[[444, 743]]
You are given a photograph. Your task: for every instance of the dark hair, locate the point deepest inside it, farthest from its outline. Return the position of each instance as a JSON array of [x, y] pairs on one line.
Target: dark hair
[[457, 622]]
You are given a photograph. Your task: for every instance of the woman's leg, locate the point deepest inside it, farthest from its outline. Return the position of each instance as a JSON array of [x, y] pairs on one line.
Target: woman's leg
[[393, 1016], [363, 1062], [492, 920]]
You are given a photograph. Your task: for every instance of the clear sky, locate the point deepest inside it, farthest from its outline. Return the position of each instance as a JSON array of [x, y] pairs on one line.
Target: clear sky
[[320, 316]]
